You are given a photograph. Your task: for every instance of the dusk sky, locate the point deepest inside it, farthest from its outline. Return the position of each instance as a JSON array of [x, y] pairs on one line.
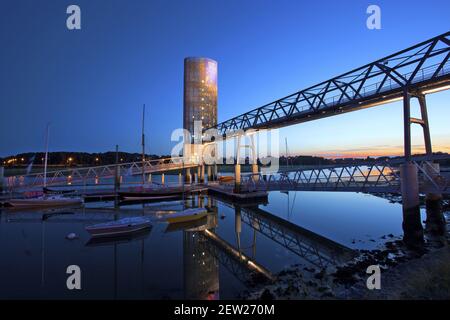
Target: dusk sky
[[91, 83]]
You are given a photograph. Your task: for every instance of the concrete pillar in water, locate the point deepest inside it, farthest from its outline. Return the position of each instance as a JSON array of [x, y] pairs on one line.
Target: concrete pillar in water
[[435, 223], [412, 224], [202, 173], [180, 178], [149, 178], [237, 177], [187, 175], [255, 171], [162, 178], [408, 171], [209, 174], [238, 226], [199, 173], [215, 174], [433, 171], [2, 179], [409, 185], [412, 228]]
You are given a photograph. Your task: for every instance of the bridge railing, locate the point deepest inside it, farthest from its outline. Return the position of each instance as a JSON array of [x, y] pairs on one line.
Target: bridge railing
[[93, 175], [371, 177]]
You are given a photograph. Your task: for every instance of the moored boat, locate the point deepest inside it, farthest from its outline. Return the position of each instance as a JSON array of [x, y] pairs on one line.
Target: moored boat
[[187, 215], [119, 227], [55, 201]]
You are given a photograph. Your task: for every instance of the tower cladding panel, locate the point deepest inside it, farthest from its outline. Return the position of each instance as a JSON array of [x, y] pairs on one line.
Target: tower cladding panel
[[200, 93]]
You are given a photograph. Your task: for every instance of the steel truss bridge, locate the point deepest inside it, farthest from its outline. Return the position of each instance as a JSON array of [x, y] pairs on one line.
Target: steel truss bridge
[[94, 175], [376, 177], [318, 250], [314, 248], [420, 69]]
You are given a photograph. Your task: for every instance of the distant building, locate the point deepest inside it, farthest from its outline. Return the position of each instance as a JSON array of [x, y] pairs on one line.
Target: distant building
[[200, 93]]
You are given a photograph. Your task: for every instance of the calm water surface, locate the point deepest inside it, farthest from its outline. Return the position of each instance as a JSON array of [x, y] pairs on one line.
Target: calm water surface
[[184, 262]]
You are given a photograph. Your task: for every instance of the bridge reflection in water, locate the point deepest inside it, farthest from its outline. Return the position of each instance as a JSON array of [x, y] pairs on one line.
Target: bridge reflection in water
[[207, 247]]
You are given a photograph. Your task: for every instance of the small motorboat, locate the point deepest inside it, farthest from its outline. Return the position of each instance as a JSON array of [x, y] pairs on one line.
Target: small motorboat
[[45, 201], [187, 215], [193, 225], [119, 227]]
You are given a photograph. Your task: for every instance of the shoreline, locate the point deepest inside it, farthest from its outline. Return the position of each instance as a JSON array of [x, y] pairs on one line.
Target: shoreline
[[404, 273]]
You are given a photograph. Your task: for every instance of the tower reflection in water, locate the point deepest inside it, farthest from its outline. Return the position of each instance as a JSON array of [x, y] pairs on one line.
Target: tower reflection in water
[[201, 268]]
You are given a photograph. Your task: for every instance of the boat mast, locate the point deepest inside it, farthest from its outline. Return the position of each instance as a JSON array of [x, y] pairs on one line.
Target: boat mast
[[46, 154], [143, 147], [287, 155]]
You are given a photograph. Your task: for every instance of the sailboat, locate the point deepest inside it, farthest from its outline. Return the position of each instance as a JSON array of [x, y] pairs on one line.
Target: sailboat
[[56, 200]]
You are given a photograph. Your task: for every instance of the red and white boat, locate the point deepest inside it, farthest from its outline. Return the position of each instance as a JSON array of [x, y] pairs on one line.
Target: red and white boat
[[119, 227]]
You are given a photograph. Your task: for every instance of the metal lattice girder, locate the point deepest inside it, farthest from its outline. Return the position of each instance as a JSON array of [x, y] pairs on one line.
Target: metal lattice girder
[[376, 176], [241, 266], [424, 66], [312, 247], [87, 175]]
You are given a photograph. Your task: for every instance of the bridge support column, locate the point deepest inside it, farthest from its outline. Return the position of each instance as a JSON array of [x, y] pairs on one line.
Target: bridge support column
[[424, 123], [412, 228], [149, 179], [408, 171], [435, 223], [215, 174], [187, 175], [2, 179], [202, 174], [407, 124], [409, 184], [209, 174], [238, 226], [255, 171], [432, 170], [199, 172], [180, 178], [237, 178], [163, 180]]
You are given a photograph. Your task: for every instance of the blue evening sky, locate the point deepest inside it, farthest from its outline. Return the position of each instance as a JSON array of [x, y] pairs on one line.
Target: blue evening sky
[[91, 83]]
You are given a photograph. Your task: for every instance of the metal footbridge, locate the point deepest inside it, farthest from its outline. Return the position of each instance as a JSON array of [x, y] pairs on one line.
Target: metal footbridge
[[423, 68], [375, 177], [83, 176]]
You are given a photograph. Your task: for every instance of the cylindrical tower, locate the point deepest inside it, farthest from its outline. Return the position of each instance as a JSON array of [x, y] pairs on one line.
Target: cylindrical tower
[[200, 93]]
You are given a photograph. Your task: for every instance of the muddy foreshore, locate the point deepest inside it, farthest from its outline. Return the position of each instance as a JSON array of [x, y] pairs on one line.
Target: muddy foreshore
[[402, 268]]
